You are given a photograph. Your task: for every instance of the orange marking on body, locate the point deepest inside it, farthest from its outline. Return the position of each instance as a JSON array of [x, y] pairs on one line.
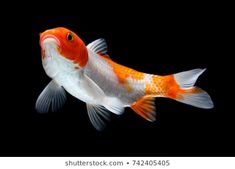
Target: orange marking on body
[[137, 75], [123, 72], [171, 87], [164, 86], [149, 89], [128, 87]]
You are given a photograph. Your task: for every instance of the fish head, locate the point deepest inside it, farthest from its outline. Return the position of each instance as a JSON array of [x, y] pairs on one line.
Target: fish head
[[65, 43]]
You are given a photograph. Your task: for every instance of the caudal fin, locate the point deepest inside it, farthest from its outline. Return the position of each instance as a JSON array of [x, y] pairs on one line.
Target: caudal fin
[[188, 93]]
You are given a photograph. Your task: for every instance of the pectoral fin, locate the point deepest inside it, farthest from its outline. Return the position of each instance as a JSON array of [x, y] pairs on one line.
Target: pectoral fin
[[53, 95]]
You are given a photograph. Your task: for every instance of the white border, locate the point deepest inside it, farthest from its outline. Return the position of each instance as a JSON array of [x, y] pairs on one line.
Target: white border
[[124, 162]]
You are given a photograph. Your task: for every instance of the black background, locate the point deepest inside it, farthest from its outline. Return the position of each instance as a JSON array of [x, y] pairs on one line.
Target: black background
[[147, 37]]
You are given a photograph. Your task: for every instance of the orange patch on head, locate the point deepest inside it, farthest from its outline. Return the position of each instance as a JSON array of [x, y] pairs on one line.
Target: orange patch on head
[[70, 45]]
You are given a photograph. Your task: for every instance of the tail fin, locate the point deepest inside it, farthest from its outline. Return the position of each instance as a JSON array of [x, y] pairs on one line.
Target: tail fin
[[189, 94]]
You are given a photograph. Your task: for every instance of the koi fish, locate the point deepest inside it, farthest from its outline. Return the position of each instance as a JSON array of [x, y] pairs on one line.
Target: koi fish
[[90, 75]]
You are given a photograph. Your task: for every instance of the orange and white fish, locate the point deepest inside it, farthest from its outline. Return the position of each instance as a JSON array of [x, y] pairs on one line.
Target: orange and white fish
[[88, 73]]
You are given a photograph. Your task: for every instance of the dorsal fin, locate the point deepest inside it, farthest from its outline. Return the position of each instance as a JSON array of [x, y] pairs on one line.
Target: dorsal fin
[[99, 46], [145, 107]]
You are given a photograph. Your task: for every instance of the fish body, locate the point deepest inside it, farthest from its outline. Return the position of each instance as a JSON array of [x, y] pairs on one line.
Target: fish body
[[90, 75]]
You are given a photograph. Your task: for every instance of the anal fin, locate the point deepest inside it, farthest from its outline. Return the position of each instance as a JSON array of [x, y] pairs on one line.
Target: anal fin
[[145, 107]]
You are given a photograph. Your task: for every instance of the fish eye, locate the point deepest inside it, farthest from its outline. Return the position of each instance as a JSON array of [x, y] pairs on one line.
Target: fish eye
[[69, 37]]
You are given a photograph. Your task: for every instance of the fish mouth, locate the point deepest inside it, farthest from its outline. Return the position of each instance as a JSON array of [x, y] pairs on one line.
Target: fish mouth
[[47, 37], [47, 43]]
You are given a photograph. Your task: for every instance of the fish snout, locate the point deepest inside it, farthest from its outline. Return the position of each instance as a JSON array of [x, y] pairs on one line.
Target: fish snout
[[48, 36]]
